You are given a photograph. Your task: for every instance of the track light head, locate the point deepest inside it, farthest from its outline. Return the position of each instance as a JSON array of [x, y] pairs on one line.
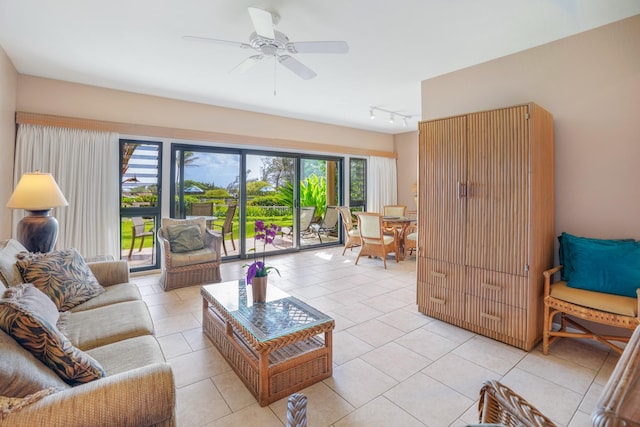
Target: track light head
[[371, 115]]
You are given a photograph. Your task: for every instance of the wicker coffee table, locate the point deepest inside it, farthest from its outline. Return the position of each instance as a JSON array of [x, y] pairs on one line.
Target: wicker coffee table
[[276, 348]]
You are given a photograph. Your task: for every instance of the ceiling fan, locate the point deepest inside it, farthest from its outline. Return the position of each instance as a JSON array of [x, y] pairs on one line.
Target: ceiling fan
[[268, 42]]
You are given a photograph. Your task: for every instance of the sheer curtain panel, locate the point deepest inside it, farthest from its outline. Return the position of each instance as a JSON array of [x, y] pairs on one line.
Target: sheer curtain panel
[[382, 183], [84, 163]]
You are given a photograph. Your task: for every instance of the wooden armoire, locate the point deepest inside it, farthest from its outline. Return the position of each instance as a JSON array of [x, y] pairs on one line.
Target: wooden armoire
[[486, 210]]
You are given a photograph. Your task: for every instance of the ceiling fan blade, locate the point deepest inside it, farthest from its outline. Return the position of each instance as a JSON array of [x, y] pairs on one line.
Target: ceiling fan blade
[[247, 63], [262, 22], [210, 40], [297, 67], [318, 47]]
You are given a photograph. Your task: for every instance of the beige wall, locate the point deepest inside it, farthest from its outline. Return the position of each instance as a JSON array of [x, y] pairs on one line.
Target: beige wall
[[45, 96], [407, 164], [591, 84], [8, 84]]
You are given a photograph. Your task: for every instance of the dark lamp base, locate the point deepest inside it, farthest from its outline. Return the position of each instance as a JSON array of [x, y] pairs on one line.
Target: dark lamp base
[[38, 231]]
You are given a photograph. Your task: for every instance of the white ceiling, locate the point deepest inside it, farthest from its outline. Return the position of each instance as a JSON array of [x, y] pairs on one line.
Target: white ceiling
[[137, 46]]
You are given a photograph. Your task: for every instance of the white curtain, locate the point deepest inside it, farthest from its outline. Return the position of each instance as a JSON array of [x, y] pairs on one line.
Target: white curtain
[[382, 183], [85, 166]]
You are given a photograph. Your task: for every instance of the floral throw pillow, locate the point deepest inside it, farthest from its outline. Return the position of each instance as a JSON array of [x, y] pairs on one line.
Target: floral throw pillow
[[22, 317], [62, 275]]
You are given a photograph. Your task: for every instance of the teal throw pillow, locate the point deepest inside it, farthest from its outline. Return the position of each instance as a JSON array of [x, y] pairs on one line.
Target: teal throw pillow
[[567, 243], [608, 267], [24, 315], [184, 238]]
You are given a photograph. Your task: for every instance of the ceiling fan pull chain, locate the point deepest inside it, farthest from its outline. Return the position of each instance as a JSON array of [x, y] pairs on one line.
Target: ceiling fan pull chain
[[275, 69]]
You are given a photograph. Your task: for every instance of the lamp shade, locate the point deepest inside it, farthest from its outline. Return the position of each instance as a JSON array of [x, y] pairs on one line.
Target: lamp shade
[[36, 192]]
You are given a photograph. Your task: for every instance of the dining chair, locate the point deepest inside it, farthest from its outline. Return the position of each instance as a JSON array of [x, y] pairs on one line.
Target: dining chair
[[139, 232], [410, 239], [374, 240], [394, 210], [351, 233]]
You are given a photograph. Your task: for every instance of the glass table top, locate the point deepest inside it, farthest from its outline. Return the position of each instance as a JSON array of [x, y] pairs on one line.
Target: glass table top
[[280, 315]]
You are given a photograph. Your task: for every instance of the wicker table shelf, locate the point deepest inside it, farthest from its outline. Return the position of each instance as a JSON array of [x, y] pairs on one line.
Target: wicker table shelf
[[276, 348]]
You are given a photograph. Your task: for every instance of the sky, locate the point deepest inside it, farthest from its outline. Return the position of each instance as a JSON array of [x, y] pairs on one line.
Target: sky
[[221, 168]]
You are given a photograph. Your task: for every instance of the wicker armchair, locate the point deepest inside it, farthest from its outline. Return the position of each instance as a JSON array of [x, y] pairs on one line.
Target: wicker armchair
[[572, 304], [410, 239], [501, 405], [194, 267]]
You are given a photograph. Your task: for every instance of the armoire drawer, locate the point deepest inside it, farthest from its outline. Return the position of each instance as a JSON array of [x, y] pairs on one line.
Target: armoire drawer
[[441, 274], [493, 316], [436, 300], [500, 287]]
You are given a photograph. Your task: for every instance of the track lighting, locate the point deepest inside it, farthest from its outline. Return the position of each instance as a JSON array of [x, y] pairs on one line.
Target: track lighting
[[392, 115]]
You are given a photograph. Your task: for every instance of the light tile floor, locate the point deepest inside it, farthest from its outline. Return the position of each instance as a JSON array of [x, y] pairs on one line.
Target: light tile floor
[[393, 366]]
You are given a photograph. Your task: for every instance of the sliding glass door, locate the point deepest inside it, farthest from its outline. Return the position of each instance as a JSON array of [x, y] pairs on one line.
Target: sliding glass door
[[235, 188]]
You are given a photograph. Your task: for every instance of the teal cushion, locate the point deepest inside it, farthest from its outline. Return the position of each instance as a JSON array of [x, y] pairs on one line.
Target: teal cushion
[[568, 241], [606, 266], [184, 238]]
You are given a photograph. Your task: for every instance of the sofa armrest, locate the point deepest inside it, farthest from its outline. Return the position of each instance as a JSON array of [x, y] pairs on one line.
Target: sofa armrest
[[110, 272], [139, 397]]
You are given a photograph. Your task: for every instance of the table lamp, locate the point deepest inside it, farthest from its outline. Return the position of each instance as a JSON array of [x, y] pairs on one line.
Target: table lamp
[[37, 193]]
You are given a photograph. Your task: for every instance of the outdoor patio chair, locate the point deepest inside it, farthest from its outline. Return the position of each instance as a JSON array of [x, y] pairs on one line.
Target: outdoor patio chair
[[227, 227], [351, 233], [139, 232], [374, 240], [204, 209], [328, 224]]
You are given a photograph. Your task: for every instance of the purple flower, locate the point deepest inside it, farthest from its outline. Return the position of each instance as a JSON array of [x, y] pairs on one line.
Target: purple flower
[[268, 235]]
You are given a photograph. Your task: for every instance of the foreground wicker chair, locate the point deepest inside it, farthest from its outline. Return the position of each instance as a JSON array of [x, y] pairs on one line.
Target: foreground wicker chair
[[617, 406], [190, 268]]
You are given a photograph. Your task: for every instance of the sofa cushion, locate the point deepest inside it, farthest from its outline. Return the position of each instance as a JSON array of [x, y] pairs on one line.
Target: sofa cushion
[[105, 325], [9, 273], [21, 373], [35, 332], [128, 354], [113, 294], [62, 275], [184, 238], [609, 266]]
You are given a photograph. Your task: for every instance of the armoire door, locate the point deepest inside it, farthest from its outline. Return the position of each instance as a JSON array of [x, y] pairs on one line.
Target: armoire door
[[442, 175], [498, 190]]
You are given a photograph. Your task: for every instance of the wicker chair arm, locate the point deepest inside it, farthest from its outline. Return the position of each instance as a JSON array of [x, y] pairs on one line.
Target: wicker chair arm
[[500, 405], [214, 241], [548, 275]]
